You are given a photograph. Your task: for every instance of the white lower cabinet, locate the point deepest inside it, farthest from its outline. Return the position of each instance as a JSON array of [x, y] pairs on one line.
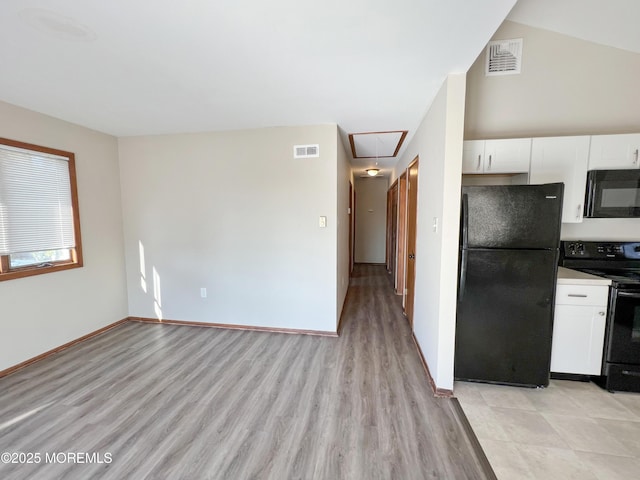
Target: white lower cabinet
[[578, 329]]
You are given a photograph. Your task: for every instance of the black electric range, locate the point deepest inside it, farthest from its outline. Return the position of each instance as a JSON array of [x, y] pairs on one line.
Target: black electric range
[[620, 263], [620, 279]]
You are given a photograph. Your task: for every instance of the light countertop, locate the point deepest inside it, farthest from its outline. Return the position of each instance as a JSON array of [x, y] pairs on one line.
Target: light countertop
[[566, 276]]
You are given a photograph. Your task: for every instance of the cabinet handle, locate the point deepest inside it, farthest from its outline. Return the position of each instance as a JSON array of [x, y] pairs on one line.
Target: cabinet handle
[[489, 162], [479, 162], [578, 211], [579, 295], [635, 157], [601, 314]]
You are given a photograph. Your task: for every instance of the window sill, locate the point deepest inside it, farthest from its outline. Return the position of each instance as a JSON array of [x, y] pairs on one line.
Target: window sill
[[31, 271]]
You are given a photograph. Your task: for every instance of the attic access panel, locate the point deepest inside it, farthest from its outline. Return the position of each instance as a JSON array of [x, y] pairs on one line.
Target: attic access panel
[[376, 144]]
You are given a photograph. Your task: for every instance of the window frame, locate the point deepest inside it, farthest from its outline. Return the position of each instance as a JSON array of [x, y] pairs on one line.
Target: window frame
[[76, 260]]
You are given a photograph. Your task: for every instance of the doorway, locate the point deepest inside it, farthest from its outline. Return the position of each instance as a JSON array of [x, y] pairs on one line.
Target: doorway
[[371, 218]]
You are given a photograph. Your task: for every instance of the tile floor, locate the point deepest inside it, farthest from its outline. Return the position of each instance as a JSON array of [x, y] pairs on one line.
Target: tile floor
[[568, 430]]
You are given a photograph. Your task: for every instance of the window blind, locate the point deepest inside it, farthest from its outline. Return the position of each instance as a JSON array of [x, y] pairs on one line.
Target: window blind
[[36, 212]]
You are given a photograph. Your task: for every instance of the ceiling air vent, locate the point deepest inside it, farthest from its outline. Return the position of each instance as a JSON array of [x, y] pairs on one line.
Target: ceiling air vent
[[504, 57], [306, 151]]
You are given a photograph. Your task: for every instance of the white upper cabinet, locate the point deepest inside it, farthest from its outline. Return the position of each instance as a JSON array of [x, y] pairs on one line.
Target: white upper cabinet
[[502, 156], [563, 159], [614, 152], [472, 155]]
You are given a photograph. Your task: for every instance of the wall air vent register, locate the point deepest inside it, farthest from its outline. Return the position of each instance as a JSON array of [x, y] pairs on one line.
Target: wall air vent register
[[504, 57], [306, 151]]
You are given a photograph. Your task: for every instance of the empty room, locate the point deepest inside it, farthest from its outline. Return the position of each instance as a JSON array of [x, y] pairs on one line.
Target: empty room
[[237, 240]]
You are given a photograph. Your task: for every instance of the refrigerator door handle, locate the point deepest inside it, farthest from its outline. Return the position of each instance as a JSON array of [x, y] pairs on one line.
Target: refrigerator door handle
[[463, 274], [465, 220], [463, 241]]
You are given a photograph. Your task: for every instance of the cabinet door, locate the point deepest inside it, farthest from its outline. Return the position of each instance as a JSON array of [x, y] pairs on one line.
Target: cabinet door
[[500, 338], [472, 154], [562, 159], [613, 152], [593, 295], [507, 156], [578, 339]]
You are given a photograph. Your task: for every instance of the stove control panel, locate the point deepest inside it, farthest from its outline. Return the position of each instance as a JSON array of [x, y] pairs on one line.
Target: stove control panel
[[611, 249], [601, 250], [575, 249]]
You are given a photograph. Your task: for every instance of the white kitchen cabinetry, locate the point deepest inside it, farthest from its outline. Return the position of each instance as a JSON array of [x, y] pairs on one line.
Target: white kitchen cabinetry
[[614, 152], [562, 159], [578, 329], [509, 155]]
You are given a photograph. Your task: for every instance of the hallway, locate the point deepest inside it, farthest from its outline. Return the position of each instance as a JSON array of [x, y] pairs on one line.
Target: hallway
[[190, 402]]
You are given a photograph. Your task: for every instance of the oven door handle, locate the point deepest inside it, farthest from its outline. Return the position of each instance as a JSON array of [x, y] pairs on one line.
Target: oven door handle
[[629, 294]]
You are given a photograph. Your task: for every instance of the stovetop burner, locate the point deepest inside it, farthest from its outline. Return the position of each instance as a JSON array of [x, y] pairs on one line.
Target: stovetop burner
[[619, 277], [616, 261]]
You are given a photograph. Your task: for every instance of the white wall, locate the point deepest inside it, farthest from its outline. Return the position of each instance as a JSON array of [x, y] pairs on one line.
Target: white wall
[[620, 229], [438, 143], [371, 220], [567, 87], [234, 213], [42, 312], [344, 177]]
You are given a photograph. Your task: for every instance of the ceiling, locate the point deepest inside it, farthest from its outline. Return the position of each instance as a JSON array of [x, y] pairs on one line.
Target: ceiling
[[611, 22], [140, 68], [132, 67]]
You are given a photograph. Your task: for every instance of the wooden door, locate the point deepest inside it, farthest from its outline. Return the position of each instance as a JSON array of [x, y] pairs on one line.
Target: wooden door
[[388, 239], [412, 210], [394, 232], [402, 235]]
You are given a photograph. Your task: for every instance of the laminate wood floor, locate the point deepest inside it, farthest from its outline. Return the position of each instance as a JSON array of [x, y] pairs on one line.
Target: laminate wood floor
[[177, 402]]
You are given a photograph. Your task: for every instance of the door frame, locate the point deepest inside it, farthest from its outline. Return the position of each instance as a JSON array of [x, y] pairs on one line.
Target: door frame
[[412, 216], [352, 216], [401, 237], [388, 252], [392, 232]]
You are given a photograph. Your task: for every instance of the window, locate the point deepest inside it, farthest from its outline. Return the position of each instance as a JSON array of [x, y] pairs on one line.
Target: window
[[39, 220]]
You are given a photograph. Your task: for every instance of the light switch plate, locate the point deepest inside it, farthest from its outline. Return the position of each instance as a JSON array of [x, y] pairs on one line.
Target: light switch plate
[[322, 222]]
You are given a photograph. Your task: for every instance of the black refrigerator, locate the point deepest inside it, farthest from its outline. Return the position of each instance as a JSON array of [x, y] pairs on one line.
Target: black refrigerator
[[509, 248]]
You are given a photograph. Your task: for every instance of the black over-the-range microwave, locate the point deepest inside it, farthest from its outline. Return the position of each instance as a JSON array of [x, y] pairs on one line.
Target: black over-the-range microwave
[[612, 194]]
